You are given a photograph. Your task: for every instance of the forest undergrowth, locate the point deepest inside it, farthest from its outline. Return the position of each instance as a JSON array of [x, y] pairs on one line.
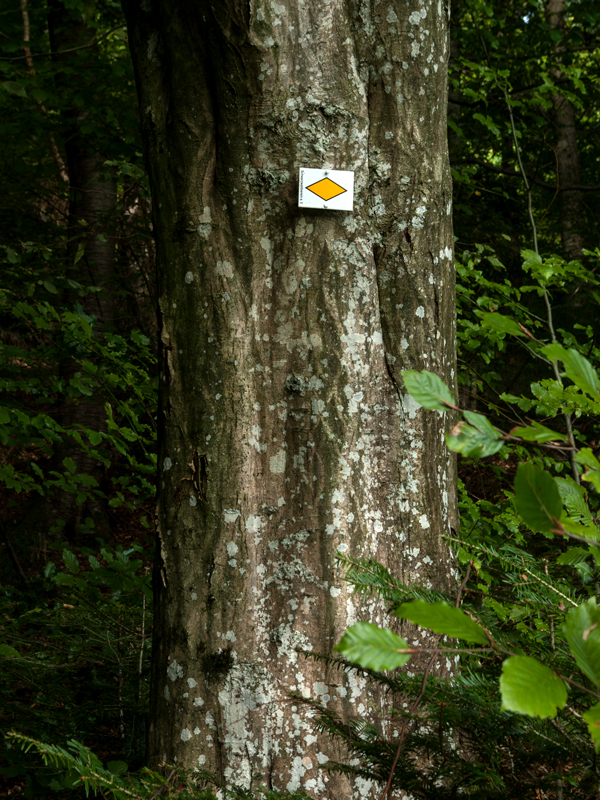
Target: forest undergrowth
[[78, 385]]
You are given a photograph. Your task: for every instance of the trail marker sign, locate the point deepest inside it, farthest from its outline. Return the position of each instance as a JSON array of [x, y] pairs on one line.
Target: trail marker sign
[[329, 189]]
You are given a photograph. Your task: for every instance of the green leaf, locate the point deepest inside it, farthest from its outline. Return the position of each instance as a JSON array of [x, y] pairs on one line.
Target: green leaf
[[71, 562], [117, 767], [577, 368], [50, 287], [428, 390], [536, 432], [574, 497], [49, 569], [480, 422], [531, 259], [372, 647], [501, 323], [537, 498], [586, 531], [95, 437], [573, 556], [531, 688], [592, 717], [4, 416], [69, 464], [589, 460], [478, 440], [581, 629], [62, 579], [442, 618], [6, 651], [79, 253], [13, 87], [488, 122]]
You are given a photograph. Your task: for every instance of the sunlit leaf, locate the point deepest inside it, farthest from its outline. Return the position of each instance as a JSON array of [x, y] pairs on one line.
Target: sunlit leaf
[[500, 323], [536, 432], [592, 717], [442, 618], [529, 687], [428, 390], [582, 631], [577, 368], [592, 465], [372, 647]]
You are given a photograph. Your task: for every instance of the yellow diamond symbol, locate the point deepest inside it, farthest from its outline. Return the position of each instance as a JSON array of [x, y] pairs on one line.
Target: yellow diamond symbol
[[326, 189]]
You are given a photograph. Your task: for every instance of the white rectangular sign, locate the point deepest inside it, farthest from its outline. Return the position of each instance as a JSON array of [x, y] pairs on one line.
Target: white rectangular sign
[[330, 189]]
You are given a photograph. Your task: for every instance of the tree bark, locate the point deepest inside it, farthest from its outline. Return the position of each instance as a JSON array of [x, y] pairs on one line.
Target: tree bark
[[567, 151], [286, 432]]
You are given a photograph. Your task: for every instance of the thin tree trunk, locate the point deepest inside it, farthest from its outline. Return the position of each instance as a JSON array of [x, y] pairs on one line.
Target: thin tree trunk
[[286, 431], [92, 203], [567, 151], [62, 169]]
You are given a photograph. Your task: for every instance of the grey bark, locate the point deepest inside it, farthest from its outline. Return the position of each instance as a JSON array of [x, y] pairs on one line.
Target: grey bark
[[567, 151], [286, 431]]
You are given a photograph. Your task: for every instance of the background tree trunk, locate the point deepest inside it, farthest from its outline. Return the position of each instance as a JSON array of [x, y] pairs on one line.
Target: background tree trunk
[[92, 204], [286, 432], [567, 151]]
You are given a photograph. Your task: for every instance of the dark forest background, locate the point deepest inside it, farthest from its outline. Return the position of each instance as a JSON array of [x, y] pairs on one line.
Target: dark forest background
[[79, 373]]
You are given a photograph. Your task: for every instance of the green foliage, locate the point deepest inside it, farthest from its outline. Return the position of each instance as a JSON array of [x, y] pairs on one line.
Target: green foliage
[[373, 647], [442, 618], [502, 47], [77, 766], [477, 439], [75, 665], [77, 403], [592, 717], [115, 371], [582, 634], [84, 635], [534, 678], [428, 390], [529, 687], [537, 498]]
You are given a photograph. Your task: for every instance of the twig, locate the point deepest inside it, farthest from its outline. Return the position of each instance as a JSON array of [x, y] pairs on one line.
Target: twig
[[142, 647], [12, 554], [154, 796], [567, 417], [69, 50], [503, 558], [29, 61], [512, 174], [557, 185], [121, 713], [463, 584], [471, 651], [562, 532], [413, 708]]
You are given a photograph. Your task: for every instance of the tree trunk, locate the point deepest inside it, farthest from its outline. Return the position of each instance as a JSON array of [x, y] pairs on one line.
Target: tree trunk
[[567, 151], [92, 204], [286, 433]]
